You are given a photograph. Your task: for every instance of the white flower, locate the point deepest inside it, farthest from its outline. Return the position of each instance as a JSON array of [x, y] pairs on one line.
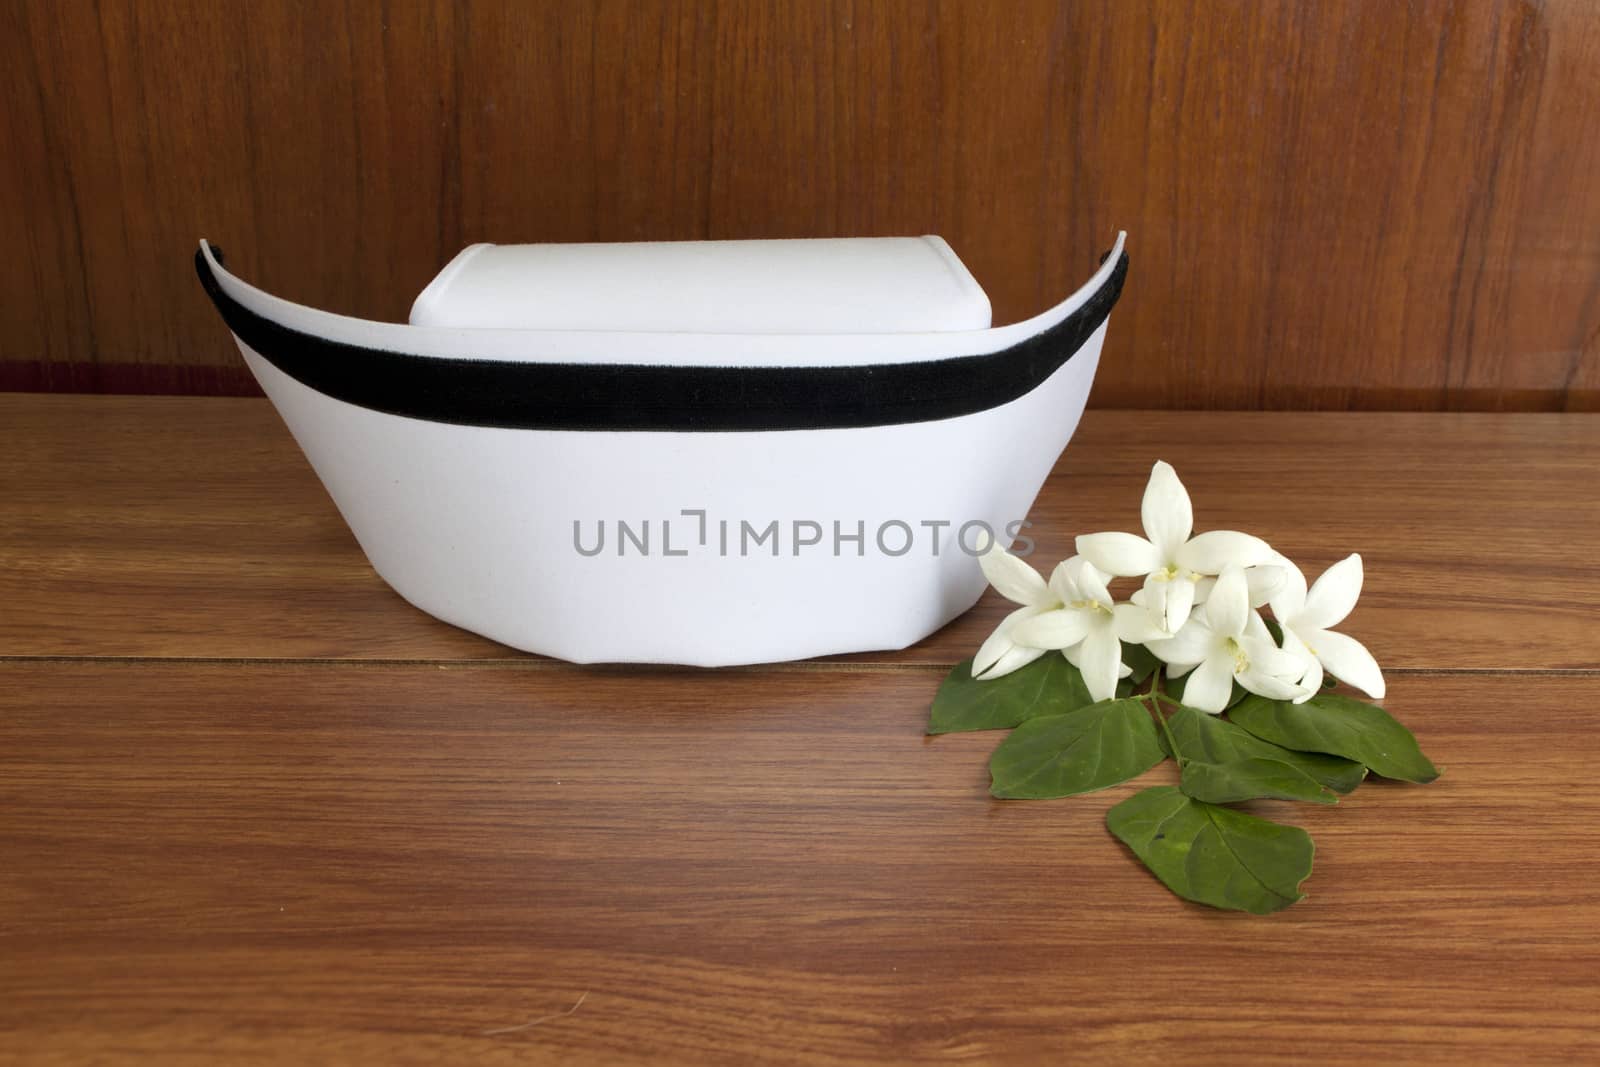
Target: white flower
[[1088, 627], [1021, 584], [1306, 619], [1168, 558], [1264, 580], [1226, 641], [1076, 658]]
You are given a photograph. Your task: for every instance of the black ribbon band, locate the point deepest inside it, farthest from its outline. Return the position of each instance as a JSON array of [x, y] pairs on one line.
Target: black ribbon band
[[594, 396]]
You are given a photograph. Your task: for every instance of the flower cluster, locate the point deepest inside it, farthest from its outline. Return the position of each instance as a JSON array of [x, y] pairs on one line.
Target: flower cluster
[[1197, 610]]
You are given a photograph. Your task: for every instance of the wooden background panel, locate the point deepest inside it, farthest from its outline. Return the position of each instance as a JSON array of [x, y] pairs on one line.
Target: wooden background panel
[[1360, 204]]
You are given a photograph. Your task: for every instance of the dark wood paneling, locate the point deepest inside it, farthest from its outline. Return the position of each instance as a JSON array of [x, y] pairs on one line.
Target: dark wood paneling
[[1364, 204]]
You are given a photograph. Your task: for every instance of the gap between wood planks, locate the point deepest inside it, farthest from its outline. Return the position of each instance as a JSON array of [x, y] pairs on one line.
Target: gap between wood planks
[[537, 664]]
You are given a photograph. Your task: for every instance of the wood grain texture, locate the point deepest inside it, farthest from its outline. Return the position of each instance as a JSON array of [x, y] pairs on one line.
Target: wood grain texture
[[194, 528], [306, 864], [1363, 204]]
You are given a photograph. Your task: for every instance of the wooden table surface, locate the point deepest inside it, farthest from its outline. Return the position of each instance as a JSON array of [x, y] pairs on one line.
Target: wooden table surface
[[255, 808]]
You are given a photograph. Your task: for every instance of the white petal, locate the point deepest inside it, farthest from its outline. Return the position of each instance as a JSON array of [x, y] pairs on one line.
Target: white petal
[[1349, 661], [1012, 578], [1290, 599], [1180, 601], [1254, 626], [1000, 644], [1311, 674], [1268, 658], [1075, 657], [1188, 646], [1090, 582], [1152, 596], [1136, 625], [1333, 595], [1057, 629], [1211, 684], [1311, 681], [1167, 513], [1264, 581], [1062, 584], [1100, 660], [1122, 555], [1228, 606], [1014, 658], [994, 647], [1271, 686], [1211, 552]]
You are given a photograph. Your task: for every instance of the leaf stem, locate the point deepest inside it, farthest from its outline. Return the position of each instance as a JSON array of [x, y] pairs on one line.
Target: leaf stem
[[1157, 697]]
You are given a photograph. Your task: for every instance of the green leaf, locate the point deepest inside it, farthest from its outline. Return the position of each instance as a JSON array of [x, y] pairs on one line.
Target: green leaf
[[1340, 726], [1079, 752], [1251, 779], [1047, 686], [1214, 855], [1210, 739], [1142, 660]]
